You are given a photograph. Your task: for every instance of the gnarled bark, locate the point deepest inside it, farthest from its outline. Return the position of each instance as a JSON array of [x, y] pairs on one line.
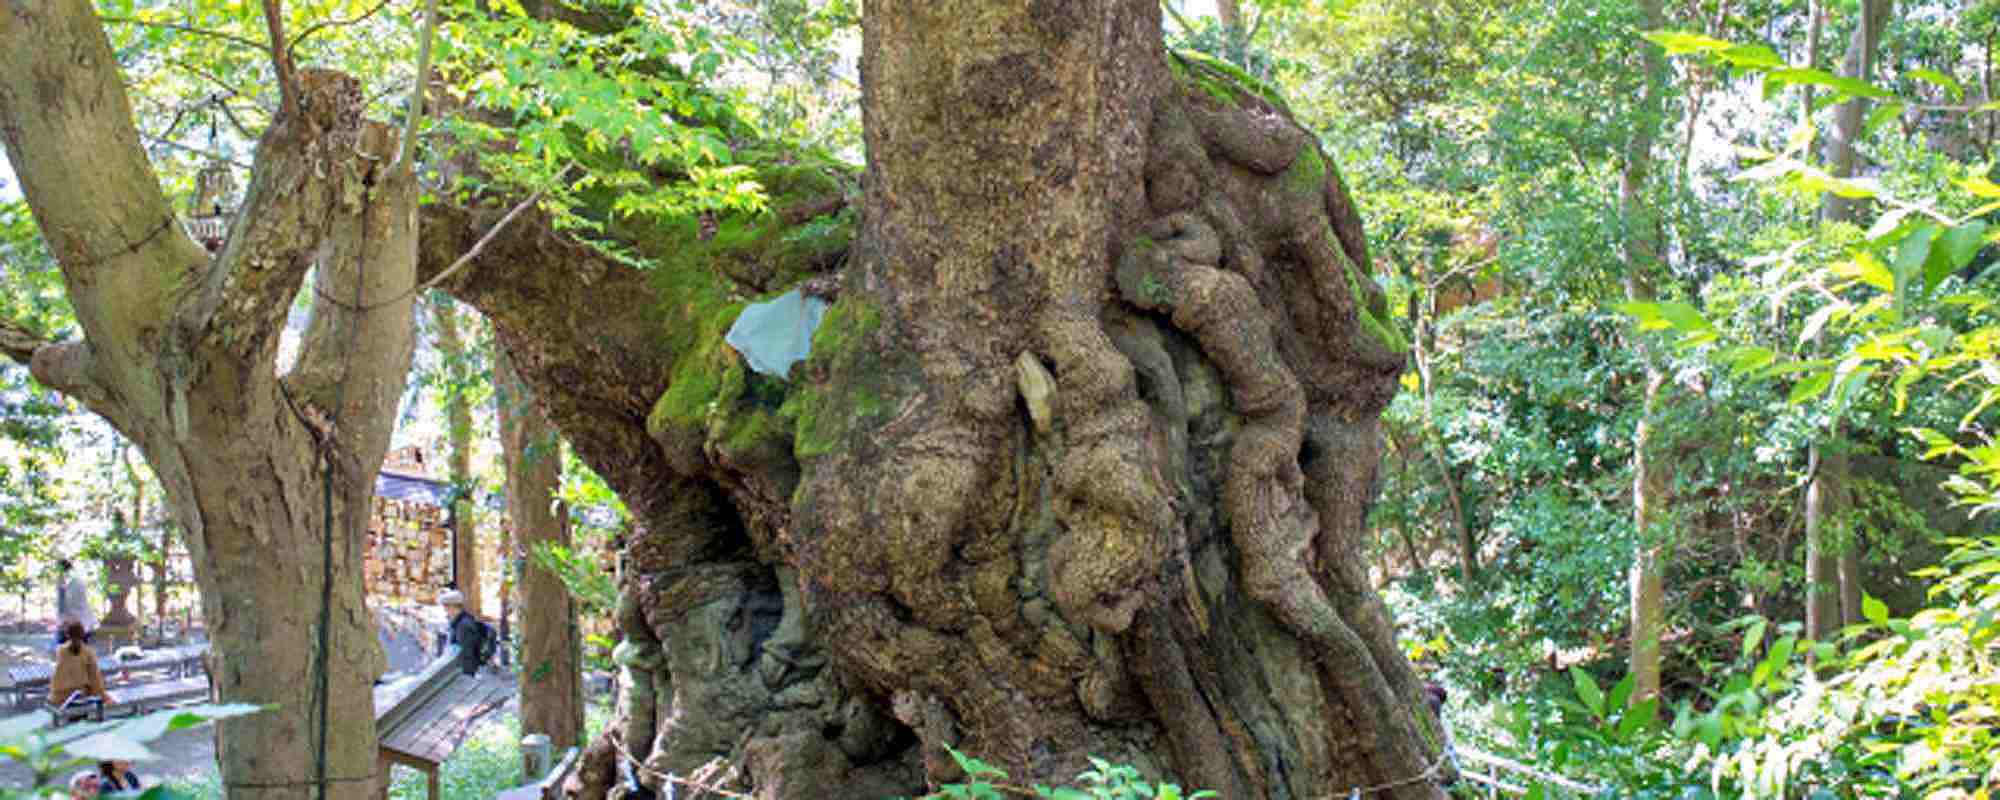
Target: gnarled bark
[[270, 478]]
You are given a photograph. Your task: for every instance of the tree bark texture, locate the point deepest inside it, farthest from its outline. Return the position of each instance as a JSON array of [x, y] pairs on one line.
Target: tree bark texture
[[1652, 467], [179, 354], [551, 673], [1826, 542], [458, 357], [1848, 116], [1079, 464]]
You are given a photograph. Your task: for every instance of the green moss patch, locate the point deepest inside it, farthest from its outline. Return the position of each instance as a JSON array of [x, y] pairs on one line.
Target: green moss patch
[[822, 412], [1225, 82], [1307, 174]]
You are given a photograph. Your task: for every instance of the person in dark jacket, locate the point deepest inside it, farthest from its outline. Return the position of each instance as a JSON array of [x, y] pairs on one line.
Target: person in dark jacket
[[466, 631], [117, 776]]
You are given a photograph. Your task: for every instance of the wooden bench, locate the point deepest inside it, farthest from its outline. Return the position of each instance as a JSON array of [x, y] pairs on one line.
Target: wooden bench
[[420, 721], [26, 681], [133, 700]]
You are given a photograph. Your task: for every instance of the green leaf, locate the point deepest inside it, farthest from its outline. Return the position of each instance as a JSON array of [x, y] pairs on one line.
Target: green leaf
[[1683, 317], [1587, 691], [1874, 610], [158, 723], [1979, 186], [1955, 248], [1888, 222], [1754, 636], [108, 746], [1868, 269], [974, 768], [1840, 84], [1641, 716], [1621, 693], [1882, 114], [1810, 386], [1781, 653], [1682, 43], [1946, 82], [1746, 359]]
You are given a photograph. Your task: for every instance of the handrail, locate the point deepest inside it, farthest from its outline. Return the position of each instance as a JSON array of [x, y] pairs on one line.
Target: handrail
[[1497, 771]]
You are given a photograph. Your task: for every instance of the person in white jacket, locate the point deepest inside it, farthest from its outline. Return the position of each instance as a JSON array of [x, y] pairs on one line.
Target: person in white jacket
[[72, 600]]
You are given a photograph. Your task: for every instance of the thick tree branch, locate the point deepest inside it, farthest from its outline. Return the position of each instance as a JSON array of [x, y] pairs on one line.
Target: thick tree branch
[[66, 123], [406, 158], [317, 171], [19, 343], [281, 58]]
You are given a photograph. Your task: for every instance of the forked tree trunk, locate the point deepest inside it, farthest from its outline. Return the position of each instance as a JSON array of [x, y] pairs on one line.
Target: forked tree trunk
[[179, 354], [1079, 464], [551, 648]]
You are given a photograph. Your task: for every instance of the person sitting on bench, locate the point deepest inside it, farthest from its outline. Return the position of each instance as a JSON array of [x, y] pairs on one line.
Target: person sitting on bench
[[76, 676]]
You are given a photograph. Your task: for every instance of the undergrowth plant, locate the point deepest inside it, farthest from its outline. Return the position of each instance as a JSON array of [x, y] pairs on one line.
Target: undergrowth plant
[[1103, 781]]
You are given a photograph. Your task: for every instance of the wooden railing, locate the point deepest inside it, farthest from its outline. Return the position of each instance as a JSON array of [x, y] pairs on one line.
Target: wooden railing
[[1506, 777]]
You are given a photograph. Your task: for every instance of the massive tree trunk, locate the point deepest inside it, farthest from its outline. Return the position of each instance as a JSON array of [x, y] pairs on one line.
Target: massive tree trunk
[[551, 647], [1079, 464], [1652, 465], [459, 374], [179, 354]]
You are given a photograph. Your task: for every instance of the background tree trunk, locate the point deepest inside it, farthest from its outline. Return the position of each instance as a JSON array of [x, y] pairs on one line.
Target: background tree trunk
[[179, 355], [551, 649], [459, 374], [1825, 499], [1652, 467], [1848, 116], [1832, 568]]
